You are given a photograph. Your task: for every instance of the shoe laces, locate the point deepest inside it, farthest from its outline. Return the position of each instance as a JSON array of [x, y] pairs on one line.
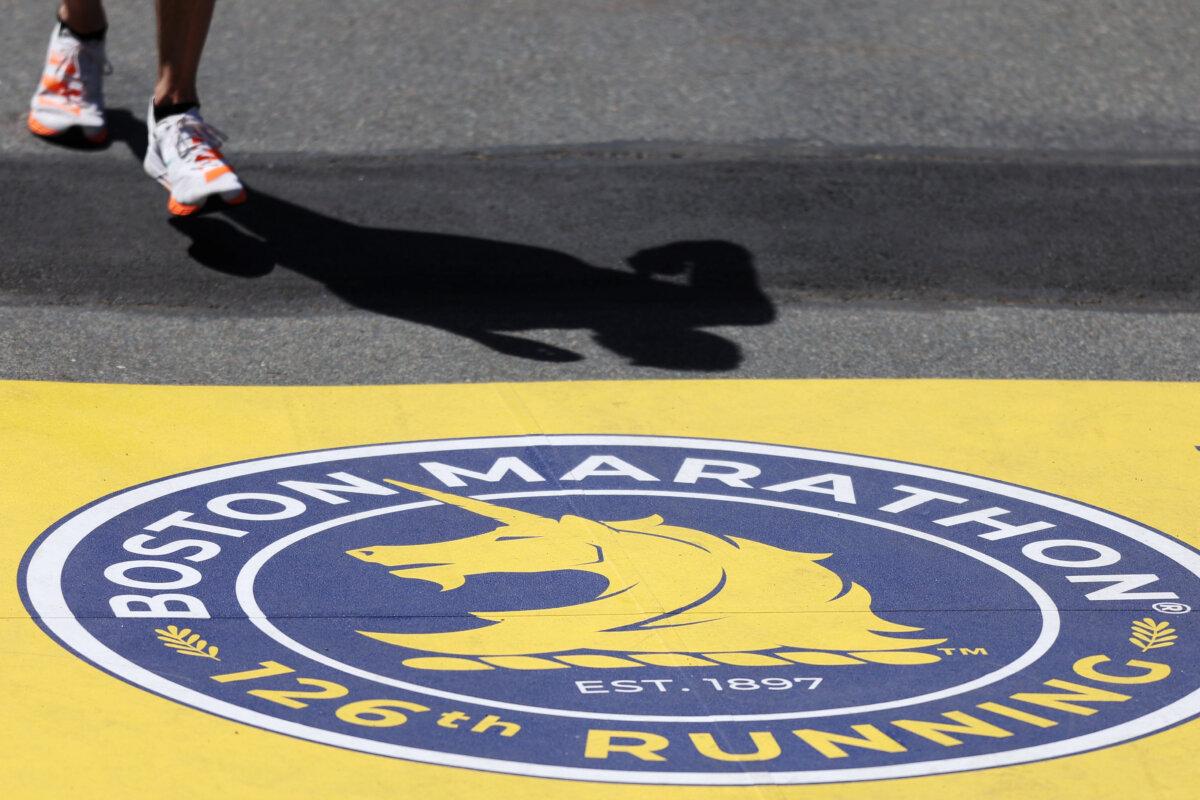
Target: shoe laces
[[78, 74], [197, 141]]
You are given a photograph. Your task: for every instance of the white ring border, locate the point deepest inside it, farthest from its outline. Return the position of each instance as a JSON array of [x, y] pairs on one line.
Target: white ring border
[[44, 572], [1044, 641]]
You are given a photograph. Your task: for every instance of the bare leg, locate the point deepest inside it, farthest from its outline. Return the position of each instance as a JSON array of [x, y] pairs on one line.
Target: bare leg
[[182, 29], [83, 16]]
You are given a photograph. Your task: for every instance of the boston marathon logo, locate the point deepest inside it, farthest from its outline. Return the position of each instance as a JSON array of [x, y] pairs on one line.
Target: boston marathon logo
[[633, 609]]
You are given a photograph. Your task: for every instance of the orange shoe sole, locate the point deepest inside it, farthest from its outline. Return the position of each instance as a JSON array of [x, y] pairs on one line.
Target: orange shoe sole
[[179, 209], [38, 129], [183, 209]]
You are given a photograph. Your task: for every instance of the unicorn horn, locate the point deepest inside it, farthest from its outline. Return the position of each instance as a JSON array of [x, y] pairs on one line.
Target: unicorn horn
[[509, 516]]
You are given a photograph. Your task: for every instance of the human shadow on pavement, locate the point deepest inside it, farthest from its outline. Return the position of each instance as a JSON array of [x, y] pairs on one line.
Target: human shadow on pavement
[[653, 313]]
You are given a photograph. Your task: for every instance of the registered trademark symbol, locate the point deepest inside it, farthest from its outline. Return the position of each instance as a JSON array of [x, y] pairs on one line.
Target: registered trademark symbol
[[1172, 608]]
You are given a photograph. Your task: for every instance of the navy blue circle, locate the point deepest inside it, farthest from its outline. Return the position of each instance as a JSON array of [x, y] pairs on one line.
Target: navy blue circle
[[315, 593]]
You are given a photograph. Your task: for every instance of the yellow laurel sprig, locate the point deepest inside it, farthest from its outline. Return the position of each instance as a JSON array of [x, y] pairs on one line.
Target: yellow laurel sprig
[[1149, 635], [186, 643]]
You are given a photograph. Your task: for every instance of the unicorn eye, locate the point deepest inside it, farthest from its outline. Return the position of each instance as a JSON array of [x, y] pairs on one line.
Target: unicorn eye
[[513, 538]]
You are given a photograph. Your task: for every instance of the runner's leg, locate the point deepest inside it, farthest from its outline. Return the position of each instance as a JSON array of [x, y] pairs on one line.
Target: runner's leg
[[183, 152], [70, 92], [182, 29]]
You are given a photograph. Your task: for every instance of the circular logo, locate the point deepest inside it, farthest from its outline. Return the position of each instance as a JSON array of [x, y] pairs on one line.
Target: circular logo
[[632, 609]]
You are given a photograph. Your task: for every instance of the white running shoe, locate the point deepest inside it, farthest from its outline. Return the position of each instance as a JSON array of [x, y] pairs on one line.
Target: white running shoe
[[184, 155], [71, 91]]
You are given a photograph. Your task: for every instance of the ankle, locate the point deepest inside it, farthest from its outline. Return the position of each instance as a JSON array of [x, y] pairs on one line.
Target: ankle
[[167, 108], [168, 92], [90, 28]]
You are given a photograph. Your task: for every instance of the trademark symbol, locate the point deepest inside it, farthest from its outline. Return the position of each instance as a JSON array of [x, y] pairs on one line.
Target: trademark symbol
[[964, 651], [1172, 608]]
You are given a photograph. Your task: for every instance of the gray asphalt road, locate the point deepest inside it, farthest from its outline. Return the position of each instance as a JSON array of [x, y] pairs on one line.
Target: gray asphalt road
[[830, 189], [606, 263], [552, 228], [806, 340], [357, 76]]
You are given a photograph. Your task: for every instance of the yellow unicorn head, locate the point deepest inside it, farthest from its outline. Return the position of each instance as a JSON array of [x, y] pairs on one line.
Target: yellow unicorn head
[[669, 589]]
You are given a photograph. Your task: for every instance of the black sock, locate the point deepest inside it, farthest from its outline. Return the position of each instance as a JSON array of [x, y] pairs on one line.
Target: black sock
[[94, 36], [164, 110]]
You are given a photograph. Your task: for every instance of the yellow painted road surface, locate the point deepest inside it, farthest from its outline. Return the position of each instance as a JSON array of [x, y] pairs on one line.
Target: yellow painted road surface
[[70, 729]]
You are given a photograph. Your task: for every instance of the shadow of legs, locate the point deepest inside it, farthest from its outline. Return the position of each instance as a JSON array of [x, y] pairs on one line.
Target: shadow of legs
[[489, 291]]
